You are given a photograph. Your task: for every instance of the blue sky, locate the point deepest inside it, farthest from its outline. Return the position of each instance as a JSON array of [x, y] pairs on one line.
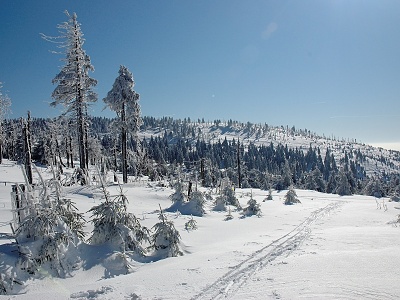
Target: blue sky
[[332, 67]]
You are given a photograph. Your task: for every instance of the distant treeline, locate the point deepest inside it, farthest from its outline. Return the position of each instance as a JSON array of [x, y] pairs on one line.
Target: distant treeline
[[168, 147]]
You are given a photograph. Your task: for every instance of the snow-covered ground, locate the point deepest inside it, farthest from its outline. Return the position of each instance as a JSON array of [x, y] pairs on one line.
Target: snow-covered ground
[[327, 247]]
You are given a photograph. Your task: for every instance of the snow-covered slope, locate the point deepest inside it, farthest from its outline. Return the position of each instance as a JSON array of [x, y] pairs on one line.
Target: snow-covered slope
[[327, 247], [377, 160]]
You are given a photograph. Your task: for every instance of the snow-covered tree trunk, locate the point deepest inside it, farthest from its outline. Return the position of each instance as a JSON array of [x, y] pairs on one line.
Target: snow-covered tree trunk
[[70, 151], [27, 151], [238, 165], [124, 146], [81, 138], [67, 151]]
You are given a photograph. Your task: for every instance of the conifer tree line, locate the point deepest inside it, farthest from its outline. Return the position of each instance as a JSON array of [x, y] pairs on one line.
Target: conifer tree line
[[273, 166]]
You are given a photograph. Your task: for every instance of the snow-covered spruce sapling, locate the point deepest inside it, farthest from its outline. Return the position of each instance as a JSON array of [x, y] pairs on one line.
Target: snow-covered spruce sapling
[[115, 225], [166, 238], [229, 215], [269, 197], [252, 208], [191, 224], [195, 205], [220, 203], [197, 200], [179, 194], [7, 281], [230, 196], [226, 197], [44, 235], [291, 197], [65, 207], [52, 195]]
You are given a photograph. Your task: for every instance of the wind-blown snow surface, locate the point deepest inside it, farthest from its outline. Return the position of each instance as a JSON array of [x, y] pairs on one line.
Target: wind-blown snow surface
[[327, 247]]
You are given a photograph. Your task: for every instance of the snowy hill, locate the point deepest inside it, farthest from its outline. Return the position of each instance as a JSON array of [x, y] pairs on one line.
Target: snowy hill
[[376, 160], [326, 247]]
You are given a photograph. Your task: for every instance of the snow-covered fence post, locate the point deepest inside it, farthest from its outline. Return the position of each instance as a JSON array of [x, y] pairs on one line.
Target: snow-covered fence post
[[16, 204]]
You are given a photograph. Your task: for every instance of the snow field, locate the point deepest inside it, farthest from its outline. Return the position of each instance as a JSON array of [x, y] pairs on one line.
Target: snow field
[[327, 247]]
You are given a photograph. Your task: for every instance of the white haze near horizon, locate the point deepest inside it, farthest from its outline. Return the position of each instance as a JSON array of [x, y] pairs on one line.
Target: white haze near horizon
[[388, 146]]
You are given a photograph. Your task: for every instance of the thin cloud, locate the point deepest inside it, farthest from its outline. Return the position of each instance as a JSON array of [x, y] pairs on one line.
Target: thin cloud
[[271, 28]]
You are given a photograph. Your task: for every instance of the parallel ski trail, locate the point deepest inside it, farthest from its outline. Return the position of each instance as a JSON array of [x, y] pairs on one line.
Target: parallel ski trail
[[228, 284]]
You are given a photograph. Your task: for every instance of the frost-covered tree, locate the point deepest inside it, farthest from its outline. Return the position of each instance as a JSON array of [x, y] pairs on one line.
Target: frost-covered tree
[[229, 215], [125, 102], [319, 180], [5, 104], [191, 224], [44, 237], [113, 224], [197, 200], [227, 196], [269, 197], [50, 233], [179, 195], [252, 208], [374, 188], [291, 197], [395, 194], [74, 85], [286, 176], [227, 190], [7, 281], [94, 149], [192, 205], [166, 238], [343, 186], [220, 203]]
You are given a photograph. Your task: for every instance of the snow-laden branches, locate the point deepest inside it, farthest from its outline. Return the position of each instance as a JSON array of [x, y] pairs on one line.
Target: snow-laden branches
[[125, 101], [74, 86], [51, 231], [166, 238], [115, 225]]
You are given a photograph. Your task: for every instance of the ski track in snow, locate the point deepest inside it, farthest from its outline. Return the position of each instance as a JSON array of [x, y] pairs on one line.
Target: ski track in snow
[[231, 282]]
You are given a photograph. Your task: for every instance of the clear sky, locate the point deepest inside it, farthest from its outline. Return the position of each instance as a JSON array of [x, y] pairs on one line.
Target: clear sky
[[332, 67]]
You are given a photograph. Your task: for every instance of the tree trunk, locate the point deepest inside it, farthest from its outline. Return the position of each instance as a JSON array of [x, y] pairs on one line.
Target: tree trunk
[[28, 126], [27, 152], [202, 172], [71, 155], [238, 163], [86, 143], [59, 153], [81, 140], [67, 151], [124, 146]]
